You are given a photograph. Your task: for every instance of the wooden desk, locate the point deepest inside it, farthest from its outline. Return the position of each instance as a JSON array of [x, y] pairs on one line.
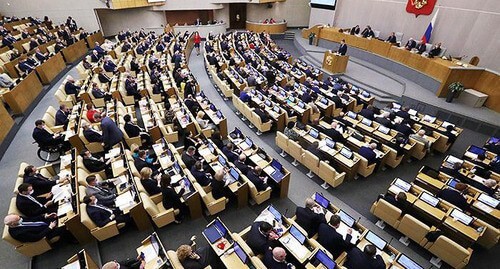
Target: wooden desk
[[335, 63], [241, 192], [21, 97], [7, 122], [349, 166], [153, 257], [51, 68], [85, 258], [95, 37], [433, 212], [140, 217], [75, 51], [270, 28], [462, 234]]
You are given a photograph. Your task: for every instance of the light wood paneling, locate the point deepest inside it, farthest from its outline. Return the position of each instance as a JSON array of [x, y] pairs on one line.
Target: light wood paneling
[[7, 123]]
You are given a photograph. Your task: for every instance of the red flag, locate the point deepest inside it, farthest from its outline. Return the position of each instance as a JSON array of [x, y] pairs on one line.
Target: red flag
[[420, 7]]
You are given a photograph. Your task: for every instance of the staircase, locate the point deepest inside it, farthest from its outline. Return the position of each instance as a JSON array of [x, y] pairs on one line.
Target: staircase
[[289, 36]]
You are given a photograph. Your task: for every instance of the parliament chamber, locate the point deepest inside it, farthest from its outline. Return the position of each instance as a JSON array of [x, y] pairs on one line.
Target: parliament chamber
[[160, 134]]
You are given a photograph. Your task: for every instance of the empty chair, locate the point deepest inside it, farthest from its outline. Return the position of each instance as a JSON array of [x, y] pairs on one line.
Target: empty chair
[[386, 212], [490, 236], [392, 159], [450, 252], [413, 229], [295, 150], [330, 175], [160, 216], [282, 143], [418, 151], [213, 206], [399, 37], [310, 161]]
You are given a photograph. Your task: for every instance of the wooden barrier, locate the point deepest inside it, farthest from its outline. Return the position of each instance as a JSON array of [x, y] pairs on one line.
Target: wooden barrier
[[270, 28], [446, 72], [51, 68], [6, 121], [21, 97], [75, 51], [95, 37]]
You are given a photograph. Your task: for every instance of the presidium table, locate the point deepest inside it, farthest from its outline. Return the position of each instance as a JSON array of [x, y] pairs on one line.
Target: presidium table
[[334, 62]]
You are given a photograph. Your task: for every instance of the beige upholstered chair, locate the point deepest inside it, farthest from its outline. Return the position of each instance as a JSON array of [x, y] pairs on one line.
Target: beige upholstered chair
[[386, 212], [330, 175], [100, 233], [213, 206], [414, 229], [450, 252], [282, 142], [160, 216]]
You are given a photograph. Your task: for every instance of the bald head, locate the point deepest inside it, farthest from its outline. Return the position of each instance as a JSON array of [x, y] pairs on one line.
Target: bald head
[[279, 254], [242, 157], [373, 145], [421, 133], [111, 265], [309, 203], [11, 220], [219, 175]]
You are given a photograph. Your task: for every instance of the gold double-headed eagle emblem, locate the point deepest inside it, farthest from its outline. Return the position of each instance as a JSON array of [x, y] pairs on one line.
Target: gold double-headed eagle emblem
[[418, 4], [329, 60]]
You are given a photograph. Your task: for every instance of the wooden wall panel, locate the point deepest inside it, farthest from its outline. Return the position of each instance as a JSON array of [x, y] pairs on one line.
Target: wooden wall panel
[[6, 121]]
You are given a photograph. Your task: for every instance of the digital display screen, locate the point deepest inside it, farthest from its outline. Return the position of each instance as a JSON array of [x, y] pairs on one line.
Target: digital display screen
[[321, 200], [324, 4], [375, 240], [297, 234]]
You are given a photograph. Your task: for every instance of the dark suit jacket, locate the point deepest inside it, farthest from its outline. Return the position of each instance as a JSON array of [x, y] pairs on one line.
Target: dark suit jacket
[[403, 205], [367, 113], [98, 215], [231, 156], [309, 220], [40, 184], [357, 259], [71, 88], [386, 122], [271, 263], [342, 49], [200, 176], [334, 135], [391, 39], [28, 233], [93, 165], [140, 163], [262, 114], [421, 48], [151, 186], [256, 240], [43, 137], [98, 93], [132, 129], [103, 78], [92, 136], [189, 161], [61, 118], [111, 134], [255, 179], [244, 168], [454, 197], [368, 153], [329, 238], [28, 207], [171, 199], [218, 189], [404, 129]]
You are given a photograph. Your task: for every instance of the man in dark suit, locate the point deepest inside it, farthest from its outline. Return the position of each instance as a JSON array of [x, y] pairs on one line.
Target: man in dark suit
[[104, 191], [368, 112], [140, 162], [95, 56], [131, 87], [95, 165], [384, 119], [31, 207], [435, 50], [90, 134], [338, 102], [368, 153], [70, 88], [200, 175], [399, 201], [43, 137], [420, 47], [32, 229], [261, 237], [102, 215], [241, 164], [410, 44], [454, 196], [355, 30], [403, 128], [103, 78], [333, 132], [403, 113], [98, 93], [309, 217], [109, 66], [330, 239], [40, 56], [189, 157], [368, 32], [357, 259], [230, 152], [133, 130], [342, 48], [392, 38], [255, 177], [62, 115], [261, 112], [40, 183], [276, 259], [25, 66], [111, 134]]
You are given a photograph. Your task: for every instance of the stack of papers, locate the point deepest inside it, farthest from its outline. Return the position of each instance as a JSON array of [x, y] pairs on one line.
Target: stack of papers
[[112, 153], [125, 201]]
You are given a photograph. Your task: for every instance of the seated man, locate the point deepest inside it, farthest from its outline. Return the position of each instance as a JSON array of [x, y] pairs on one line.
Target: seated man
[[30, 206], [102, 215], [141, 161], [203, 257], [276, 259], [109, 65], [62, 116], [455, 195], [241, 164], [435, 50], [392, 38], [331, 240], [368, 152], [411, 44], [255, 176], [398, 201], [309, 217], [231, 154], [368, 32], [420, 136], [200, 175], [95, 165], [131, 87], [261, 112], [6, 81], [261, 237], [420, 48], [103, 191], [46, 139], [133, 130], [189, 157], [90, 134], [98, 93], [25, 66], [32, 229], [40, 183], [364, 259], [103, 78], [71, 88]]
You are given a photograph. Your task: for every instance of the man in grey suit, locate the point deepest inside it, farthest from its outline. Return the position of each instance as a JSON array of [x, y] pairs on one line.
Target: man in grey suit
[[105, 195], [111, 134]]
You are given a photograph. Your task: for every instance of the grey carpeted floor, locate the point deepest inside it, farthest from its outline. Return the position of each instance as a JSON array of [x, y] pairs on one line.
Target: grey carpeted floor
[[355, 197]]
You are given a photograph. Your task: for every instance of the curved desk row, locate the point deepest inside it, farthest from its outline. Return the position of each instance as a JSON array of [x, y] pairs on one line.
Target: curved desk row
[[270, 28], [446, 72], [204, 30]]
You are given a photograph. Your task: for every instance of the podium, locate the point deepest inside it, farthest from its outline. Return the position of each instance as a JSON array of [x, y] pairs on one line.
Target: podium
[[335, 63]]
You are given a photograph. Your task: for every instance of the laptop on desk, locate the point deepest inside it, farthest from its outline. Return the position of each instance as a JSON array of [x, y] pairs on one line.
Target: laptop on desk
[[248, 143], [276, 175], [321, 258], [321, 200], [376, 240], [429, 199], [215, 231], [407, 263], [295, 241], [347, 222], [233, 176]]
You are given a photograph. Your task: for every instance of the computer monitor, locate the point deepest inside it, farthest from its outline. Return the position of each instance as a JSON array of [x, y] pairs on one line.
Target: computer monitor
[[452, 160], [429, 119], [291, 99], [314, 133], [215, 231], [276, 165], [412, 112], [402, 184], [234, 174], [276, 109], [212, 107], [301, 104], [240, 253], [177, 167], [407, 263], [237, 131], [366, 122], [428, 198], [253, 91], [325, 260], [211, 148], [154, 243], [453, 182], [330, 143], [365, 94], [396, 106], [493, 140], [346, 218], [375, 240], [321, 200], [221, 160], [324, 101], [477, 150], [260, 96], [346, 153], [219, 114], [383, 129], [351, 115], [461, 216], [483, 197], [267, 103], [275, 212], [220, 227], [446, 124], [283, 93], [297, 234]]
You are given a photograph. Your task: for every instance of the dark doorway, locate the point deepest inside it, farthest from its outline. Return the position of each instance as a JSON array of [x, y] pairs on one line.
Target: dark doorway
[[237, 16]]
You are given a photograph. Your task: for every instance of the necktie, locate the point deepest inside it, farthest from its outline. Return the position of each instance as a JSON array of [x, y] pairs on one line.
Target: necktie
[[33, 223], [34, 200]]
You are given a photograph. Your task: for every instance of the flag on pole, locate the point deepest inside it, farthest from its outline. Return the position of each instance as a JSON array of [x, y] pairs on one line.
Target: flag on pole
[[427, 35]]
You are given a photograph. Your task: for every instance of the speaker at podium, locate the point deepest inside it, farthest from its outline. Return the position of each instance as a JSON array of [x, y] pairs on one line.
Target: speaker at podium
[[334, 62]]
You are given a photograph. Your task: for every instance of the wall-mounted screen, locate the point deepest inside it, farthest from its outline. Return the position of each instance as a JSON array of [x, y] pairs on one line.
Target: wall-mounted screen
[[325, 4]]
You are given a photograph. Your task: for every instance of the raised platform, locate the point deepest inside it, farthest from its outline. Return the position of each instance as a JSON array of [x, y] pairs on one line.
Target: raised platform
[[392, 81]]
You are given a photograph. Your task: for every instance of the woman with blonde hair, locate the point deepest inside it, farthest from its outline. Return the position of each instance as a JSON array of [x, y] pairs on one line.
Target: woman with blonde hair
[[150, 185], [204, 124], [200, 259]]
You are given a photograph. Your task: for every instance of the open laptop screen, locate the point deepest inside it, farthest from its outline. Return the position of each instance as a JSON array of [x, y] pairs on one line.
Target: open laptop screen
[[402, 184], [407, 263], [488, 200], [346, 218], [314, 133], [325, 260], [477, 150], [275, 212], [375, 240], [240, 253], [276, 164], [321, 200], [346, 152], [297, 234], [461, 216], [431, 200]]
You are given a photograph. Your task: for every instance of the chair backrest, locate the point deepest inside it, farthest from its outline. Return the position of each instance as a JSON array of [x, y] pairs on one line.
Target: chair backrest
[[450, 252], [387, 212], [281, 140], [310, 160], [295, 149], [428, 47], [52, 111], [376, 33], [413, 228], [84, 217], [474, 60], [399, 37], [174, 260], [149, 205]]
